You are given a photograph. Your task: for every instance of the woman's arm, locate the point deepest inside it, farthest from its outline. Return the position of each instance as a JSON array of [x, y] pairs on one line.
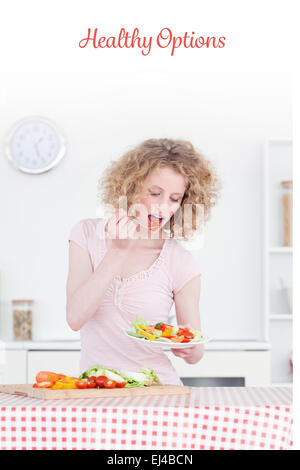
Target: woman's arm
[[86, 288], [187, 314]]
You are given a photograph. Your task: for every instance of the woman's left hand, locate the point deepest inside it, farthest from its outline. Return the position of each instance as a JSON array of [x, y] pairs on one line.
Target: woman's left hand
[[190, 355]]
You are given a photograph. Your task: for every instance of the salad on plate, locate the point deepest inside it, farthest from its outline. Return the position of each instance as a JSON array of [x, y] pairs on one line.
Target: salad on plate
[[164, 333]]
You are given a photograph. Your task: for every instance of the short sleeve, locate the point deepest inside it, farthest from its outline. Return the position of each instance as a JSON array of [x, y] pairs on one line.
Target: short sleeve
[[184, 267], [78, 234]]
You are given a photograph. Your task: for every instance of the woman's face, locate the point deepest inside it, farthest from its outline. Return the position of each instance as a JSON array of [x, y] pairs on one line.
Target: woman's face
[[163, 191]]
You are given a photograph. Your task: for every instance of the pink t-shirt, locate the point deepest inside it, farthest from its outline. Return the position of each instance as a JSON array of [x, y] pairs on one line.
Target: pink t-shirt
[[147, 294]]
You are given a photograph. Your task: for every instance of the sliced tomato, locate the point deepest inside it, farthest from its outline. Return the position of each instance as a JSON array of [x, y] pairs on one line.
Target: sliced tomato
[[90, 384], [81, 384], [188, 334], [186, 340], [100, 381], [110, 384], [92, 378], [121, 384]]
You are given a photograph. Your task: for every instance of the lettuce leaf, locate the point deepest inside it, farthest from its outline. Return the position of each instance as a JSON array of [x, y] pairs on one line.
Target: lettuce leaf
[[151, 375], [113, 375], [96, 370], [138, 322]]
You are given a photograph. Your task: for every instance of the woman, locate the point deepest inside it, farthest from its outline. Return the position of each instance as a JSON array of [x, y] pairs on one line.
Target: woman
[[119, 271]]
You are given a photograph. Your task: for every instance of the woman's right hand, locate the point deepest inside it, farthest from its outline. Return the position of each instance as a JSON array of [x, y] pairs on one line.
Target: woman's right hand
[[122, 232]]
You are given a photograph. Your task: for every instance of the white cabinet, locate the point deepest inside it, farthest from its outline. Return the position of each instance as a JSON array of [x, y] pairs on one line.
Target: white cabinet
[[21, 366], [13, 366], [64, 362], [253, 366]]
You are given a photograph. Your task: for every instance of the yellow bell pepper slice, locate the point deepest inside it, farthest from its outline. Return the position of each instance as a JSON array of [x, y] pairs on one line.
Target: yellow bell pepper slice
[[167, 332], [147, 335]]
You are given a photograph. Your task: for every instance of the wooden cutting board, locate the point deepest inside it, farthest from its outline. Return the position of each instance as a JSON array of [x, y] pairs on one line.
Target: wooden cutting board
[[48, 394]]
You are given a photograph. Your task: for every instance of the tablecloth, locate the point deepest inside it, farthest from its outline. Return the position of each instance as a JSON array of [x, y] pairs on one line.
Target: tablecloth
[[209, 418]]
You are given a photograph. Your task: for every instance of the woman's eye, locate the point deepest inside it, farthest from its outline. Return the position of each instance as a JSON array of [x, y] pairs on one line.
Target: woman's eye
[[154, 194], [175, 200]]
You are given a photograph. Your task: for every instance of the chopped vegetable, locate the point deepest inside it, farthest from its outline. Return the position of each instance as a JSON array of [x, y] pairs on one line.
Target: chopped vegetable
[[110, 384], [95, 370], [45, 376], [161, 332], [112, 375], [148, 335], [44, 384], [100, 381], [91, 383], [81, 384]]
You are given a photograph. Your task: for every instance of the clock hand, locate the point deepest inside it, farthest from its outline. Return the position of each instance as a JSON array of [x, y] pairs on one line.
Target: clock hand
[[36, 146]]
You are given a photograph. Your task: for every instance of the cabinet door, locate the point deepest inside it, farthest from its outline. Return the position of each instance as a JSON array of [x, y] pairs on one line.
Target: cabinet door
[[64, 362], [13, 366], [253, 366]]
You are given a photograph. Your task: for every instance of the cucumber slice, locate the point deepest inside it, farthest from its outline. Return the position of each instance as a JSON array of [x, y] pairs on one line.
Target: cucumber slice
[[131, 333]]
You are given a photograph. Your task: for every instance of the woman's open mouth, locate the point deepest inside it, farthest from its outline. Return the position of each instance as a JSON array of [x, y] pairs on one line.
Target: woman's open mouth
[[154, 222]]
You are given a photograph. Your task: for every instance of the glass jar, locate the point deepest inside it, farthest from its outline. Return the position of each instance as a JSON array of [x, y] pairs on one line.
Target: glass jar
[[287, 212], [22, 319]]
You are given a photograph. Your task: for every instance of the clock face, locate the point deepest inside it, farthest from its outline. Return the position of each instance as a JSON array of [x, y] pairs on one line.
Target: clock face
[[35, 145]]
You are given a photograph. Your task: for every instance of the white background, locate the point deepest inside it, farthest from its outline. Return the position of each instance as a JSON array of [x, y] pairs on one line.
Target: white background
[[225, 101]]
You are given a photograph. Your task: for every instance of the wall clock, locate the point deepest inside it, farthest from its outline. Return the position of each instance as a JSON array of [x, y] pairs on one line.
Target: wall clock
[[35, 145]]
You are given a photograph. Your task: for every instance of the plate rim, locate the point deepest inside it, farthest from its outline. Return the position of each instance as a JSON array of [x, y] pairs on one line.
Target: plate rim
[[170, 345]]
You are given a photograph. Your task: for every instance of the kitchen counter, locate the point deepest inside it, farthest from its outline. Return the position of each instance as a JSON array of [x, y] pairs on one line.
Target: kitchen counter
[[74, 345], [210, 418], [248, 361]]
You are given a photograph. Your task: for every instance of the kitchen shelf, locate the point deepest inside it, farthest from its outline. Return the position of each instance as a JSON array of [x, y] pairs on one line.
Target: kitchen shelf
[[277, 269], [283, 316], [281, 249]]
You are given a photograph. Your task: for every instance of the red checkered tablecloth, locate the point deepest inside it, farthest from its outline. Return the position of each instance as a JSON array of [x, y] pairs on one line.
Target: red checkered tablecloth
[[210, 418]]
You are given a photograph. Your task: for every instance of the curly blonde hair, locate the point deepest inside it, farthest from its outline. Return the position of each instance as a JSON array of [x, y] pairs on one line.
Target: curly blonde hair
[[125, 177]]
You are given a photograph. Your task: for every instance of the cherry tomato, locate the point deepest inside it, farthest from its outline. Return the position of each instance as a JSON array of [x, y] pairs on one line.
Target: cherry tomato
[[90, 384], [100, 381], [110, 384], [34, 385], [92, 378], [82, 384], [121, 384]]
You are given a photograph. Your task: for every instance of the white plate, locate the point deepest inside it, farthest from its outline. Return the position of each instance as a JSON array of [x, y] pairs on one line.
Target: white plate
[[168, 346]]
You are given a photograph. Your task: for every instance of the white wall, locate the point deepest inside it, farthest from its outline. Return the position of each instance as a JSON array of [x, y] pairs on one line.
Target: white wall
[[104, 107]]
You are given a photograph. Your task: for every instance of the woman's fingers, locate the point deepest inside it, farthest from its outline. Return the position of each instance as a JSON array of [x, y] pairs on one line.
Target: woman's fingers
[[186, 325], [179, 352], [183, 353]]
